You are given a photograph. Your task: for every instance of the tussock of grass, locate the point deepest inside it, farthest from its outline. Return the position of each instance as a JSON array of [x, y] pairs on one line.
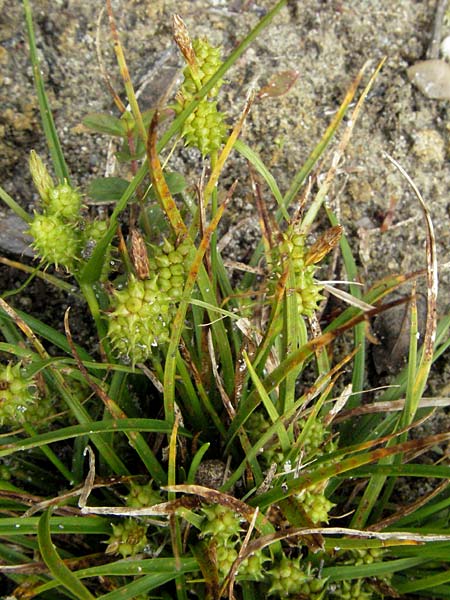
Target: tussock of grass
[[185, 459]]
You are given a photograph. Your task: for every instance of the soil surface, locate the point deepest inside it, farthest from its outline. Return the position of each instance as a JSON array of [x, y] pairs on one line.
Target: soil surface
[[326, 42]]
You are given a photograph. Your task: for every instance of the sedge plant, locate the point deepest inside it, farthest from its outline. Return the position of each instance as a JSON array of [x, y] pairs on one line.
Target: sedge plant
[[213, 445]]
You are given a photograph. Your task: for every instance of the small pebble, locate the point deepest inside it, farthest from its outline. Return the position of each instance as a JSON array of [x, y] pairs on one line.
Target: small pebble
[[212, 473], [445, 47], [429, 147], [432, 77], [13, 240]]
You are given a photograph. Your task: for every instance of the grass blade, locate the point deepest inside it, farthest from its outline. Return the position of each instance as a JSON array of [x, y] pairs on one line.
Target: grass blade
[[57, 567], [48, 123]]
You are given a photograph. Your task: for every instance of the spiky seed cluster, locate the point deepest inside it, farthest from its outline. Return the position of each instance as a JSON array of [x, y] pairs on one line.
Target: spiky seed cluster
[[208, 60], [360, 556], [128, 538], [222, 523], [287, 577], [307, 290], [94, 231], [258, 424], [318, 440], [56, 234], [17, 395], [222, 526], [142, 495], [141, 312], [225, 555], [364, 556], [314, 589], [205, 127], [252, 568], [64, 202], [169, 264], [315, 504], [353, 590], [139, 319], [38, 412], [54, 240], [359, 588], [315, 436]]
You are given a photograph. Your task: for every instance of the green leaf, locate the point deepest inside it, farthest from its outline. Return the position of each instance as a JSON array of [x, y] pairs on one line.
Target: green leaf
[[156, 571], [125, 155], [104, 189], [155, 215], [48, 124], [11, 526], [123, 425], [102, 123], [53, 561], [175, 182], [376, 569]]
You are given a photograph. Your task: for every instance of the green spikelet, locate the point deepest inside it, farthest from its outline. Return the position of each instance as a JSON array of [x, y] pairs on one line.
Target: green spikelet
[[287, 578], [205, 128], [64, 202], [252, 568], [314, 438], [353, 590], [141, 496], [168, 263], [315, 504], [138, 320], [38, 412], [128, 538], [315, 589], [307, 290], [55, 241], [226, 555], [41, 177], [221, 523], [208, 60], [17, 395], [141, 312]]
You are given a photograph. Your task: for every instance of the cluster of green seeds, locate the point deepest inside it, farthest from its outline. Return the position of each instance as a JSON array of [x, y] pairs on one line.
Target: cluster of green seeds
[[292, 253], [205, 127], [358, 589], [315, 504], [129, 536], [141, 312], [312, 501], [142, 495], [287, 577], [17, 395], [314, 589], [223, 528], [353, 590], [58, 237]]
